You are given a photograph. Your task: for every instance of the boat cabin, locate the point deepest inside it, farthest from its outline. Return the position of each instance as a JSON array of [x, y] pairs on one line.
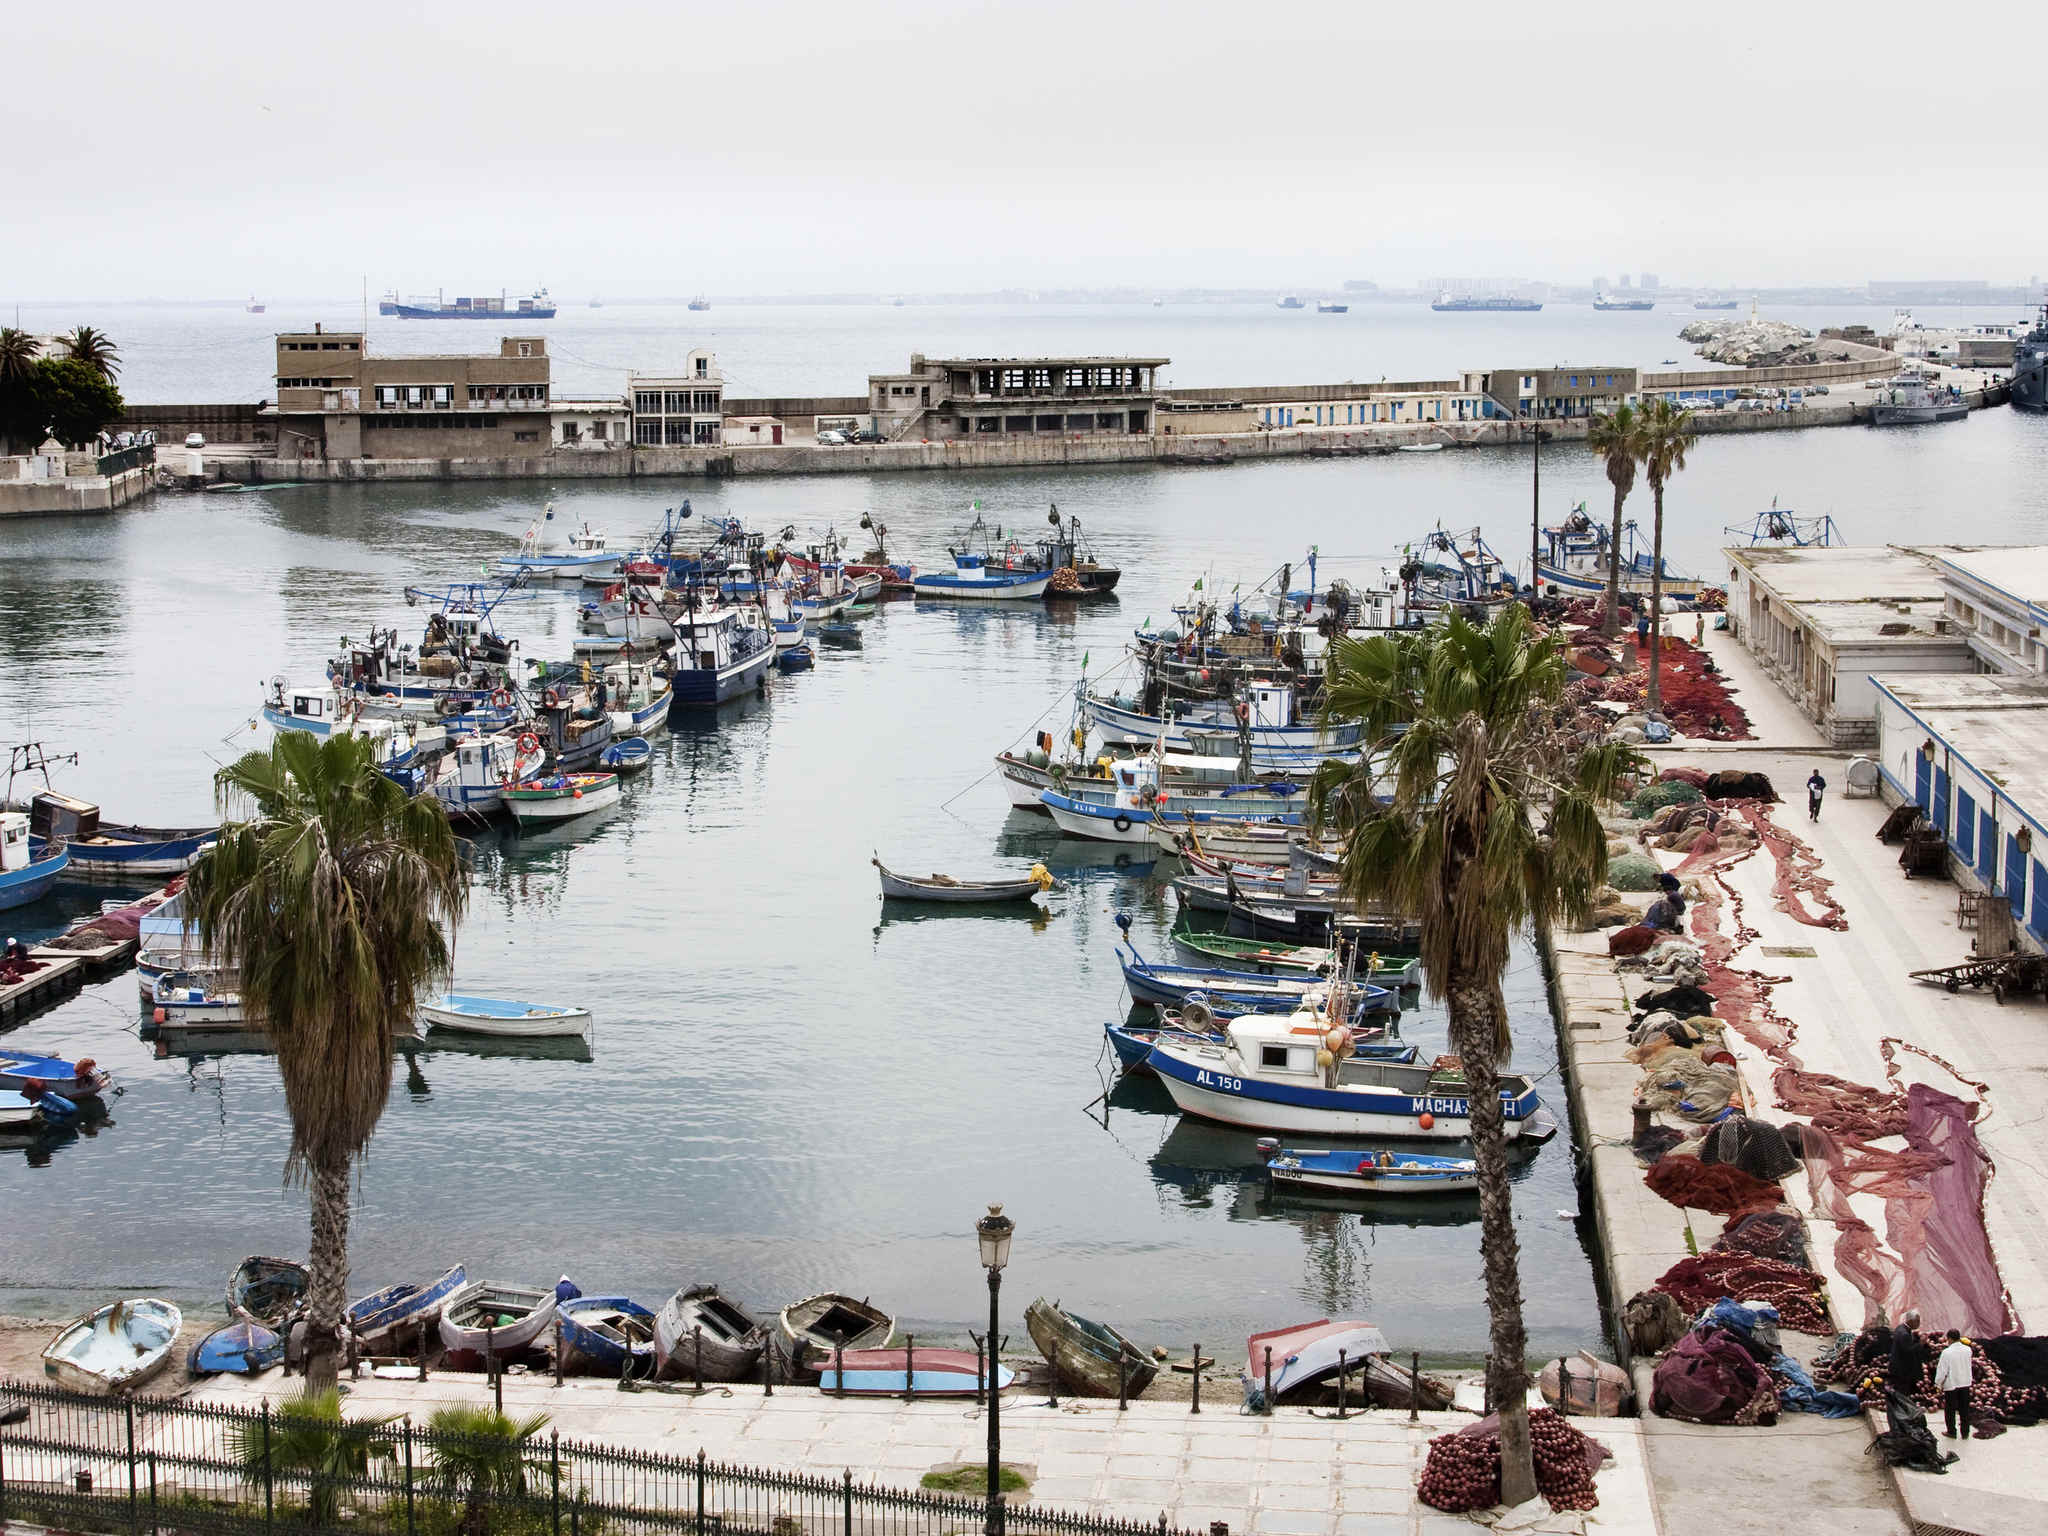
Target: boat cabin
[[1270, 706], [14, 853], [54, 815]]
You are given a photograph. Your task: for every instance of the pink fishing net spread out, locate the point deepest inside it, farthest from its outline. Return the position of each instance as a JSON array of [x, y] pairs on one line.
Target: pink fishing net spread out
[[1936, 1254]]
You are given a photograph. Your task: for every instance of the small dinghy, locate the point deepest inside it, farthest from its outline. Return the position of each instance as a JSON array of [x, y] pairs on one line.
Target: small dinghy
[[908, 1372], [240, 1349], [1367, 1172], [265, 1290], [1088, 1357], [700, 1332], [843, 633], [397, 1313], [830, 1321], [945, 888], [627, 757], [116, 1348], [601, 1334], [74, 1080], [798, 658], [506, 1016], [483, 1319], [1306, 1361]]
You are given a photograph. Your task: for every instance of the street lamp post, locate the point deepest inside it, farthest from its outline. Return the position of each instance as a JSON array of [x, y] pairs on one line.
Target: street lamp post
[[993, 1232]]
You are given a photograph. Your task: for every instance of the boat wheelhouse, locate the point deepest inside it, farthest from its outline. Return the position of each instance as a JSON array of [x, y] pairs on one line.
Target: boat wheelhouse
[[720, 653]]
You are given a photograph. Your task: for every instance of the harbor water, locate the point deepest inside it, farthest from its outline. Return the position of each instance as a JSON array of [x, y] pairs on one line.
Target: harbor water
[[789, 1089]]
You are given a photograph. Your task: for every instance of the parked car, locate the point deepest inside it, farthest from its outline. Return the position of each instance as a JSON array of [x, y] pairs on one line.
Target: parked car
[[195, 439], [865, 435], [831, 437], [1816, 389]]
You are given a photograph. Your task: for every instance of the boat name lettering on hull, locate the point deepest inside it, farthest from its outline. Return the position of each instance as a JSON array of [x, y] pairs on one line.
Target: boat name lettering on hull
[[1457, 1109], [1217, 1080]]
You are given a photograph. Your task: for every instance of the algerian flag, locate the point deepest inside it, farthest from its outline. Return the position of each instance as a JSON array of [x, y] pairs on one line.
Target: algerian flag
[[1084, 661], [1198, 583]]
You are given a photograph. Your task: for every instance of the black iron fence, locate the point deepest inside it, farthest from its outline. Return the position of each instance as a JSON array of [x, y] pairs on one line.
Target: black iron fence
[[123, 459], [165, 1465]]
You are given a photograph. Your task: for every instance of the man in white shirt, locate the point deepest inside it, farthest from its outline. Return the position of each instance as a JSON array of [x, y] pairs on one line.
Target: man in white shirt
[[1952, 1380]]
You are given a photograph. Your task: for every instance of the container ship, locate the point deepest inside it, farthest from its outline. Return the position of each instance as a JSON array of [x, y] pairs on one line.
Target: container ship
[[537, 306], [1714, 303], [1459, 303], [1603, 301]]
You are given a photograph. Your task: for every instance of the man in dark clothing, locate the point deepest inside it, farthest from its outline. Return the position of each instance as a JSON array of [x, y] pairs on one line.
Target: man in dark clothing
[[1667, 912], [1816, 786], [1908, 1366]]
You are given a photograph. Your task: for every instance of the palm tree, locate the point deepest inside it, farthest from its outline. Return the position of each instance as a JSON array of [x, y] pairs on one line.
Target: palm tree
[[307, 1438], [482, 1455], [18, 406], [1617, 438], [1667, 435], [94, 349], [329, 901], [1472, 806], [18, 350]]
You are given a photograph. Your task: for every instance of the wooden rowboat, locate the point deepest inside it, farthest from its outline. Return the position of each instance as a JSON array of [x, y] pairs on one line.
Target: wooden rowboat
[[393, 1316], [945, 888], [909, 1372], [699, 1331], [116, 1348], [240, 1349], [601, 1334], [1352, 1171], [267, 1291], [506, 1016], [482, 1319], [830, 1321], [1088, 1357]]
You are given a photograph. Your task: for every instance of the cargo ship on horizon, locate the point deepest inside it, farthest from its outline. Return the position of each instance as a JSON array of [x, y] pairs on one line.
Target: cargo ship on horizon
[[537, 306], [1489, 304]]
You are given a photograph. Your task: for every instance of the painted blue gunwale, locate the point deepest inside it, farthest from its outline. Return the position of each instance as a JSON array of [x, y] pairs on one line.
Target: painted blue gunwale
[[1370, 1101]]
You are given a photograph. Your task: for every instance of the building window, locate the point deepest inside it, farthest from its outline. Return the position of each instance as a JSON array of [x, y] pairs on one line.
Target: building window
[[525, 437], [703, 367], [597, 431], [705, 432], [647, 433], [526, 349], [676, 402], [646, 402], [676, 432], [1013, 380], [705, 401]]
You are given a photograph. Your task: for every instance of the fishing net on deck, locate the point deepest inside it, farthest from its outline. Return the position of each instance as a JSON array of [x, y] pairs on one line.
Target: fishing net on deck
[[1779, 1235], [1463, 1469], [1758, 1148], [1633, 872], [2008, 1374], [1710, 1378], [1718, 1187], [1800, 1295], [1652, 798], [1688, 1085]]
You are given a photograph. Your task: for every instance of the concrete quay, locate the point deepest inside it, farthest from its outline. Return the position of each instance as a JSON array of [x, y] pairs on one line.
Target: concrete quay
[[1847, 990]]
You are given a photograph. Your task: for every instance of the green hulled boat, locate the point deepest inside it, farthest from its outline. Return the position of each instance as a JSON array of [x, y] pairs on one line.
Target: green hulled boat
[[1276, 959]]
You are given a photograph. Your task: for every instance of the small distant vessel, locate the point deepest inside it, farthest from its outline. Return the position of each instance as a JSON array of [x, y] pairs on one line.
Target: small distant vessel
[[699, 1330], [116, 1348], [1331, 307], [1912, 399], [254, 306], [1714, 303], [909, 1372], [584, 555], [597, 303], [239, 1349], [1087, 1356], [607, 1336], [73, 1080], [1606, 301], [505, 1016], [561, 796], [798, 658], [944, 888], [1290, 302], [1470, 303], [1422, 448], [397, 1313], [1783, 526], [534, 306], [1352, 1171], [194, 999], [2030, 367], [264, 1290], [483, 1320], [830, 1321], [700, 303]]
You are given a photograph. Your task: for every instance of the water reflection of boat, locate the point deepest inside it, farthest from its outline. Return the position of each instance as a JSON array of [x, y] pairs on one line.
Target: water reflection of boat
[[496, 1047]]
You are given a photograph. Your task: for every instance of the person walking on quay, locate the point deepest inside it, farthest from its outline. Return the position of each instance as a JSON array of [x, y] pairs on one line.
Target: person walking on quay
[[1816, 786], [1909, 1356], [1952, 1376]]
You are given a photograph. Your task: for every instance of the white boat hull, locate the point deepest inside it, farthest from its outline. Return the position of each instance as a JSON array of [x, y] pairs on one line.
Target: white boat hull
[[1265, 1115], [950, 590], [546, 1024], [564, 807], [1099, 829]]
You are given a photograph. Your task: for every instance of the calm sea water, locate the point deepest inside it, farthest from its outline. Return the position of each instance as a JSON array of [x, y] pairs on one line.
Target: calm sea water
[[789, 1092]]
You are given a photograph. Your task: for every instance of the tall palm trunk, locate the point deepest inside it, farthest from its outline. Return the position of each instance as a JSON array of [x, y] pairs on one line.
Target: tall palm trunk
[[1610, 621], [1477, 1021], [327, 1287], [1656, 698]]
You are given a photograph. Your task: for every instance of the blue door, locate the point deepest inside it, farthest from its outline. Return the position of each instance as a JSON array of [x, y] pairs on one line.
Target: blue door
[[1923, 782], [1987, 849], [1966, 826], [2038, 923], [2015, 877], [1939, 815]]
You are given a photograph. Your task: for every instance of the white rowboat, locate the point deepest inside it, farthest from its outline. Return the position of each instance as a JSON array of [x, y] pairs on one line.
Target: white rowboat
[[506, 1016]]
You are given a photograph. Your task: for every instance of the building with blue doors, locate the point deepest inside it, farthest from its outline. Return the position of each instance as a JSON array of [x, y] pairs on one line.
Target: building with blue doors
[[1971, 750]]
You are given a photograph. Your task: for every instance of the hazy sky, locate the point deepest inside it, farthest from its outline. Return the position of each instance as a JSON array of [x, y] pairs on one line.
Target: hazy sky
[[212, 150]]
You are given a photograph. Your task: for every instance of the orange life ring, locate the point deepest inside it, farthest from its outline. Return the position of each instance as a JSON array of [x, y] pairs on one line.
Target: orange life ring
[[1244, 711], [500, 699], [528, 743], [550, 700]]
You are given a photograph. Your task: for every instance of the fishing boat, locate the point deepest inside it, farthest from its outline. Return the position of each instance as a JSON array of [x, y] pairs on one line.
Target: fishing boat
[[483, 1320], [561, 797], [26, 873], [265, 1290], [1458, 571], [505, 1016], [572, 726], [1265, 723], [1075, 570], [627, 757], [1124, 808], [797, 659], [944, 888], [831, 1321], [607, 1336], [700, 1332], [1420, 448], [909, 1372], [1265, 1076], [319, 709], [461, 674], [1354, 1172], [583, 554], [720, 653], [196, 999], [239, 1349], [470, 775], [396, 1314], [98, 846], [1170, 986], [1271, 958], [1132, 1043], [116, 1348], [1574, 559], [987, 569], [74, 1080], [1088, 1357]]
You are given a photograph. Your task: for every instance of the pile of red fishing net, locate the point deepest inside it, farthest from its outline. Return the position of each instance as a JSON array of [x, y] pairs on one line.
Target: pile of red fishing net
[[1698, 1282], [1463, 1470], [1721, 1188]]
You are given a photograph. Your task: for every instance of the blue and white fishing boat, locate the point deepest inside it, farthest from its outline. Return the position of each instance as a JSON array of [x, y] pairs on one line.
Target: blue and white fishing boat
[[239, 1349], [469, 777], [97, 846], [1458, 571], [984, 569], [1352, 1171], [785, 619], [462, 666], [505, 1016], [196, 999], [581, 555], [1224, 991], [1133, 1043], [1267, 714], [631, 617], [319, 709], [26, 873], [1265, 1077], [720, 653], [74, 1080], [399, 1311], [1575, 553], [637, 696], [607, 1336], [1122, 808]]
